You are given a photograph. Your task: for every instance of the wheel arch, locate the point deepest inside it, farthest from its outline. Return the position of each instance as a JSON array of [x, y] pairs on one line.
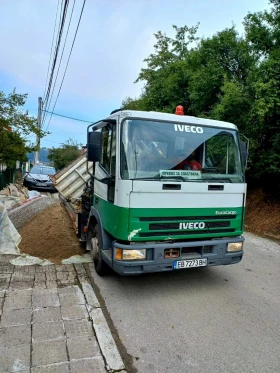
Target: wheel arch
[[95, 219]]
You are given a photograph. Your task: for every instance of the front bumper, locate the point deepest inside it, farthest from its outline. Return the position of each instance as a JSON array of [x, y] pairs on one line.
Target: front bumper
[[216, 255], [32, 185]]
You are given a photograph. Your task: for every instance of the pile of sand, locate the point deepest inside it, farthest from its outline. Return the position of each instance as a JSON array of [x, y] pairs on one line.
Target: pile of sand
[[50, 235]]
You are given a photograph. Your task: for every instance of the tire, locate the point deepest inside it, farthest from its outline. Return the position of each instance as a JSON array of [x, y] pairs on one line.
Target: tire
[[94, 242]]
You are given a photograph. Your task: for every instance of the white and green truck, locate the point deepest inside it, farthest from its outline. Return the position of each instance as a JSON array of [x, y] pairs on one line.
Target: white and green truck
[[167, 192]]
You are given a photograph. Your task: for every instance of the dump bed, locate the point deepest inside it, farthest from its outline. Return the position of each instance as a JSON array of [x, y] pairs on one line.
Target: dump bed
[[71, 180]]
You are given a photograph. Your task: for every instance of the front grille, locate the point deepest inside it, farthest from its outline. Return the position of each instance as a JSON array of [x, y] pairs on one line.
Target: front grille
[[184, 232], [181, 218], [41, 181], [164, 226]]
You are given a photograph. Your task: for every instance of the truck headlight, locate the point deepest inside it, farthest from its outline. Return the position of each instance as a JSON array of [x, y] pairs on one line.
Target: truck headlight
[[130, 254], [234, 246]]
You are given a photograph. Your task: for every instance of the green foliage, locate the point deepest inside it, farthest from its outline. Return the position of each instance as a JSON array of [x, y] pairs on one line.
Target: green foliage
[[12, 148], [63, 156], [12, 114], [15, 124], [226, 77]]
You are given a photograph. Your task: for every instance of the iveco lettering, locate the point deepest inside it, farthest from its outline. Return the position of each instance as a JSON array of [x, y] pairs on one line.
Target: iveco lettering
[[195, 225], [167, 192]]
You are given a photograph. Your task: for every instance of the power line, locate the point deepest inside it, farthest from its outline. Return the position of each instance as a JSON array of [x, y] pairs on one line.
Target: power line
[[56, 53], [56, 50], [51, 49], [55, 142], [46, 98], [55, 46], [65, 116], [67, 62], [47, 108]]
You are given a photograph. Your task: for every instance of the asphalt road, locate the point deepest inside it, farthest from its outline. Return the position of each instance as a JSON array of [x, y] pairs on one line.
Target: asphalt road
[[219, 319]]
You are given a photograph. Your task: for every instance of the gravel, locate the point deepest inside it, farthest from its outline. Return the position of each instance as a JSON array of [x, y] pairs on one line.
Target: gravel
[[22, 214]]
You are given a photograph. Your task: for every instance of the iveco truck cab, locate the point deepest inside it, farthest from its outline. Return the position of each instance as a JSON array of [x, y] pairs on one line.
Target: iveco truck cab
[[167, 193]]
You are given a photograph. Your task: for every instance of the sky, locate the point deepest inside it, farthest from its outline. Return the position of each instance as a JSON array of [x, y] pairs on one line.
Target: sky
[[113, 39]]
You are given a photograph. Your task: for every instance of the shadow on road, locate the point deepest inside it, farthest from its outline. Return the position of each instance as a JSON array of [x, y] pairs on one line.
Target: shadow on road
[[166, 282]]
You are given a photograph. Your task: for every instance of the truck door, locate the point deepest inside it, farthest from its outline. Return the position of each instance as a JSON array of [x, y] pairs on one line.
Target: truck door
[[106, 168]]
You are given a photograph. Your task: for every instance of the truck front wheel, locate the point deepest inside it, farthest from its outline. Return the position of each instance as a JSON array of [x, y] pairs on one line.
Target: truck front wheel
[[95, 248]]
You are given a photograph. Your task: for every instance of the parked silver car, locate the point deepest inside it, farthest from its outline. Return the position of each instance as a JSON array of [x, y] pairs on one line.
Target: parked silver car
[[38, 178]]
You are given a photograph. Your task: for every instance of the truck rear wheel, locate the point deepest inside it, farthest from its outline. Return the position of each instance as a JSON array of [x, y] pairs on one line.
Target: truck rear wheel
[[95, 248]]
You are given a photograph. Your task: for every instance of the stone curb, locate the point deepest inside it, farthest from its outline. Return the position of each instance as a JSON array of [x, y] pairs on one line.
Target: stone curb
[[113, 360]]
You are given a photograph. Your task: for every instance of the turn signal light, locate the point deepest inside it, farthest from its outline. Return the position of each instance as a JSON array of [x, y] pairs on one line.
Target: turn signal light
[[118, 254]]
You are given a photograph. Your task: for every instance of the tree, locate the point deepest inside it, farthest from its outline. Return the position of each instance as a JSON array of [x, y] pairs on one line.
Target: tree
[[226, 77], [262, 33], [191, 72], [63, 156], [165, 77], [15, 125]]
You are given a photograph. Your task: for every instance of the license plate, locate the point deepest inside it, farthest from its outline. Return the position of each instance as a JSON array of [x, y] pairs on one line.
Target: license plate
[[42, 184], [192, 263]]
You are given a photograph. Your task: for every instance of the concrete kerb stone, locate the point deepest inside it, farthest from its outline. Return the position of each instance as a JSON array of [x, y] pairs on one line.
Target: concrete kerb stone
[[106, 341], [81, 272], [80, 269], [104, 336], [91, 299]]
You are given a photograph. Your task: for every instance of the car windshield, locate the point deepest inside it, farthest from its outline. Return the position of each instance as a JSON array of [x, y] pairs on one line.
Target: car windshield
[[43, 170], [187, 152]]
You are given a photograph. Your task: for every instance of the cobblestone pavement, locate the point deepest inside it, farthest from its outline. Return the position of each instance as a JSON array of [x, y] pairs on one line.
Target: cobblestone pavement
[[51, 322]]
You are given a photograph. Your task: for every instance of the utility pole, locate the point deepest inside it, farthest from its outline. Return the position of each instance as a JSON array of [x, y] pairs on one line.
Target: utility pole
[[39, 128]]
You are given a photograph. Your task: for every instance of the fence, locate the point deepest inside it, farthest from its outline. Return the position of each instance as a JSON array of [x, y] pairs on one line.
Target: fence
[[9, 176]]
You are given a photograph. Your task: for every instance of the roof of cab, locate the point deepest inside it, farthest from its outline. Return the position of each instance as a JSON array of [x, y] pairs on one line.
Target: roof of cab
[[153, 115]]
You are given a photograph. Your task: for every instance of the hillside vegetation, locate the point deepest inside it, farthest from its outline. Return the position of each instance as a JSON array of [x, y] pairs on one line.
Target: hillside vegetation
[[230, 77]]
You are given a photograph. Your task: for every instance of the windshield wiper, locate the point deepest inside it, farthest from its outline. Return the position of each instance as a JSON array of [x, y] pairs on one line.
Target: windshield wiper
[[221, 180], [173, 177], [160, 177], [146, 178]]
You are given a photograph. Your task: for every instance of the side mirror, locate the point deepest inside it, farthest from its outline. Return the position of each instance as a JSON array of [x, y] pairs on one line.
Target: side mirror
[[94, 146]]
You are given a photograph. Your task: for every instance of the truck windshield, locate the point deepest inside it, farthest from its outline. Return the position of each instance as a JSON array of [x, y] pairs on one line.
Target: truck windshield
[[154, 150]]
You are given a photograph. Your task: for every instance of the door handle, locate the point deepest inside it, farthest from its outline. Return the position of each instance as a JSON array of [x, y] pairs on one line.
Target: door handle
[[96, 200]]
